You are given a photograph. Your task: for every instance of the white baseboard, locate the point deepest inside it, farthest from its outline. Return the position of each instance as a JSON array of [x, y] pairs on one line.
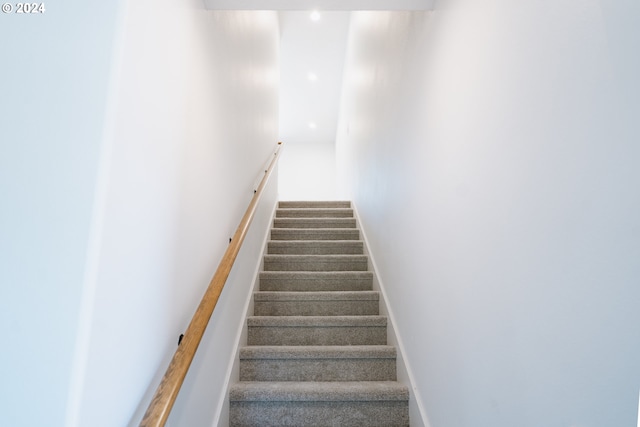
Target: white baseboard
[[417, 413], [221, 418]]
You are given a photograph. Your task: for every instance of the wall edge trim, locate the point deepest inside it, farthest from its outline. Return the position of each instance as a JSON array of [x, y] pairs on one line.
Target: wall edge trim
[[414, 395]]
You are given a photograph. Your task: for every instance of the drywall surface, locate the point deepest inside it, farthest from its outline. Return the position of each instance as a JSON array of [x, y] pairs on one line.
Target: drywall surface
[[492, 152], [53, 94], [204, 392], [318, 48], [195, 125], [308, 172]]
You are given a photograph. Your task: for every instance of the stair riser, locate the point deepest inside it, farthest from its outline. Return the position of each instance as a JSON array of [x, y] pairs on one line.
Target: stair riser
[[318, 370], [313, 205], [317, 335], [314, 234], [318, 283], [315, 248], [314, 213], [316, 308], [315, 265], [314, 223], [315, 414]]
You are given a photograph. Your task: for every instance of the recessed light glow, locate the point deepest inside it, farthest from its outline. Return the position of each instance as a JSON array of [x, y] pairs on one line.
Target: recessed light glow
[[312, 125], [312, 77], [315, 15]]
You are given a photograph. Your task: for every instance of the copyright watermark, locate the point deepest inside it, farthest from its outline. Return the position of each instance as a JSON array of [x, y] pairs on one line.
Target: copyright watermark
[[24, 8]]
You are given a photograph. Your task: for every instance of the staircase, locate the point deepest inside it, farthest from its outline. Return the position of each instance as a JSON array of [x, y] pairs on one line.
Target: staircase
[[317, 353]]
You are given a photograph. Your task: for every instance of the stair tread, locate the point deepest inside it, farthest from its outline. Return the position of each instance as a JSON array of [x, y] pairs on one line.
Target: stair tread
[[329, 243], [316, 321], [314, 257], [314, 209], [315, 233], [314, 230], [318, 352], [305, 275], [307, 281], [354, 391], [315, 247], [316, 242], [313, 223], [317, 256], [332, 262], [314, 213], [316, 296], [314, 203]]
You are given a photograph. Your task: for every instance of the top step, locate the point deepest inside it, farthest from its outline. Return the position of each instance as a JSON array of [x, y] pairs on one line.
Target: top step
[[314, 204]]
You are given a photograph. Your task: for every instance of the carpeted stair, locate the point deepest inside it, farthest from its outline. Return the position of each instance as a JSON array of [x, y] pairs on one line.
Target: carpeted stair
[[317, 353]]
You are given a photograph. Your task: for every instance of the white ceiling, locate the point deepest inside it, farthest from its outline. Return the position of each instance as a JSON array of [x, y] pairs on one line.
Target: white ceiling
[[346, 5], [317, 47]]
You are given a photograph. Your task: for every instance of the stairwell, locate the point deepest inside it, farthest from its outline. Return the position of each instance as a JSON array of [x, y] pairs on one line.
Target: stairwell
[[317, 352]]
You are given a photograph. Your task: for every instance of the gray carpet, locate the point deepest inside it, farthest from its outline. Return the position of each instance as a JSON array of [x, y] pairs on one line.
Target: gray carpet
[[317, 352]]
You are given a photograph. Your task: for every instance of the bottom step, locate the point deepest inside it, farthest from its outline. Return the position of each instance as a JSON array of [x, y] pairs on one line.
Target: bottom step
[[319, 404]]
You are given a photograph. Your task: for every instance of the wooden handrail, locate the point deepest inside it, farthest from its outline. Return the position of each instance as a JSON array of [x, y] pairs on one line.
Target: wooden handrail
[[166, 393]]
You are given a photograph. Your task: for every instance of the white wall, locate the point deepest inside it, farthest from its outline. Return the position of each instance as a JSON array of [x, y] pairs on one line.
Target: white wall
[[196, 120], [492, 152], [308, 172], [54, 72], [168, 154], [308, 164], [318, 47]]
